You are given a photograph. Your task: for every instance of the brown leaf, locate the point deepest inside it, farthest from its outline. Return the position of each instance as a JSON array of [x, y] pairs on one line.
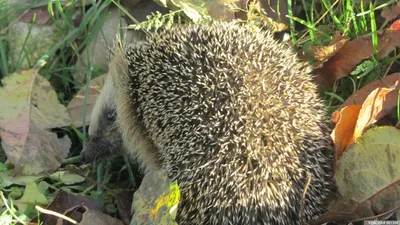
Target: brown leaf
[[390, 13], [91, 217], [276, 10], [124, 204], [343, 134], [348, 57], [323, 53], [41, 12], [29, 109], [64, 201], [75, 107], [359, 97]]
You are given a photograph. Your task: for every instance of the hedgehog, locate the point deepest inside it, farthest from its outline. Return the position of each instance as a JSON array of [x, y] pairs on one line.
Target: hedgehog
[[232, 115], [104, 136], [105, 139]]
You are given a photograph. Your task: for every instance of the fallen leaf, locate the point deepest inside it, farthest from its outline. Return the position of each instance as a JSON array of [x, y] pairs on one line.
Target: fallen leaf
[[343, 134], [335, 216], [359, 97], [9, 179], [373, 108], [28, 42], [390, 13], [395, 25], [351, 120], [30, 110], [369, 171], [40, 13], [65, 201], [124, 204], [91, 217], [156, 200], [31, 196], [76, 105], [274, 9], [350, 55], [67, 177], [204, 10], [323, 53]]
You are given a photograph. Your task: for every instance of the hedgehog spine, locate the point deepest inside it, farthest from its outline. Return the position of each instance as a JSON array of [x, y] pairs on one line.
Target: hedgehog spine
[[233, 116]]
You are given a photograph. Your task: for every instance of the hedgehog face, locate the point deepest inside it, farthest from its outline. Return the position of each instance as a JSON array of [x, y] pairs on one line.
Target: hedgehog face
[[104, 136]]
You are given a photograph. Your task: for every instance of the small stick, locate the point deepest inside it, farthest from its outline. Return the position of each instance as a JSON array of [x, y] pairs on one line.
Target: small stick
[[49, 212]]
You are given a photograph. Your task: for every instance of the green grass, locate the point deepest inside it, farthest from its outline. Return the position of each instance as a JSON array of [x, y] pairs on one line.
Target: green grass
[[317, 27]]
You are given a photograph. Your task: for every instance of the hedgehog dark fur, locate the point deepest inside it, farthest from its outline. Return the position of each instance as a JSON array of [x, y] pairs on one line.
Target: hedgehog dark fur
[[233, 116]]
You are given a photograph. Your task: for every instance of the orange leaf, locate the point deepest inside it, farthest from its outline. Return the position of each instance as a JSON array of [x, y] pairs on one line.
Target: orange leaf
[[342, 135], [395, 25]]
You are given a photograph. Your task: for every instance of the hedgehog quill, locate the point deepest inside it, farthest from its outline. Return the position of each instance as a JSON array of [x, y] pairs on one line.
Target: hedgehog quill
[[232, 115]]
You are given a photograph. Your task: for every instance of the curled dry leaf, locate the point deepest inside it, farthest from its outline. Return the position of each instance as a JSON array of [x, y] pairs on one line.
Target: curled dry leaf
[[372, 110], [395, 25], [323, 53], [372, 102], [76, 105], [369, 172], [351, 54], [359, 97], [29, 109], [343, 134]]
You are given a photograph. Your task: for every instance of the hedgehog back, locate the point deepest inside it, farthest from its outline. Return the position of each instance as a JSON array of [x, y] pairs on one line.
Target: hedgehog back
[[235, 118]]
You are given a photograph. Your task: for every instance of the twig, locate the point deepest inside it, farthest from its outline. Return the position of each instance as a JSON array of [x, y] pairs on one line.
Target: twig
[[49, 212]]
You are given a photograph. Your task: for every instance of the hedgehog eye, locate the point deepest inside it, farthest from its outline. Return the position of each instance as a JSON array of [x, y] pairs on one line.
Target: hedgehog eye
[[111, 116]]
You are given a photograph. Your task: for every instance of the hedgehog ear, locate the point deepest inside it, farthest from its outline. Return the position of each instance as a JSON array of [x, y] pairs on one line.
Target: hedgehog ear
[[118, 68]]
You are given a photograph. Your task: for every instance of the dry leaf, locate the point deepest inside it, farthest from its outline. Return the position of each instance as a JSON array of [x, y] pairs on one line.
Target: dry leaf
[[156, 200], [41, 13], [373, 108], [64, 202], [360, 96], [395, 25], [343, 134], [369, 172], [352, 120], [91, 217], [390, 13], [348, 57], [323, 53], [75, 107], [29, 109]]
